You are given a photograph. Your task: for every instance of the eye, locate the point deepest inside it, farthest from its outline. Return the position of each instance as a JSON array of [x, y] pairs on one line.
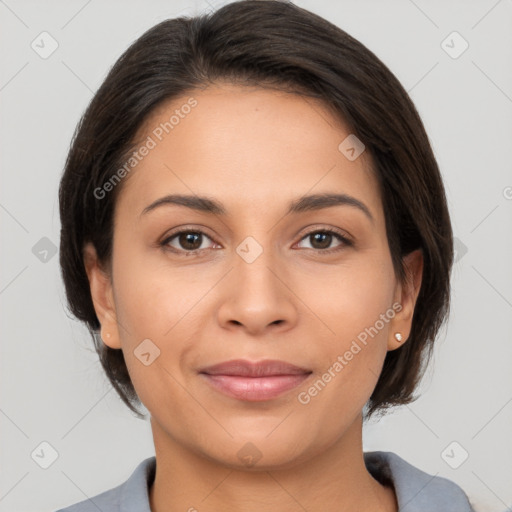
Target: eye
[[322, 239], [187, 241], [191, 241]]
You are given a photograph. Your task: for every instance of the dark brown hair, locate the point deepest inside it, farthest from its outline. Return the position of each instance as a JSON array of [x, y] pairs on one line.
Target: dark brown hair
[[266, 43]]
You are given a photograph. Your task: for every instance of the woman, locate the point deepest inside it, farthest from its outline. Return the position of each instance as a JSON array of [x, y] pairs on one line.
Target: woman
[[255, 232]]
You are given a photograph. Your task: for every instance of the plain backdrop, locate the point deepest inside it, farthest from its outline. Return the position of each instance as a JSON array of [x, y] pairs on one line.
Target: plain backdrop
[[52, 387]]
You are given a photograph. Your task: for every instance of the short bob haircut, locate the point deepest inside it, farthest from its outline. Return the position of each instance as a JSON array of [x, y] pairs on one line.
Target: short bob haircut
[[272, 44]]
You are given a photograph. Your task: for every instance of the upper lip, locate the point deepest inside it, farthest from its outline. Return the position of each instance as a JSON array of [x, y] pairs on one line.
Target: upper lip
[[245, 368]]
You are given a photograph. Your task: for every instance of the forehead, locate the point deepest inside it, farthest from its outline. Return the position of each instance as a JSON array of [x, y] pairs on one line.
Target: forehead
[[245, 146]]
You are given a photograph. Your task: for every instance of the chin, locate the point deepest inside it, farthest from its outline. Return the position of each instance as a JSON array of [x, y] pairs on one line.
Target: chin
[[261, 451]]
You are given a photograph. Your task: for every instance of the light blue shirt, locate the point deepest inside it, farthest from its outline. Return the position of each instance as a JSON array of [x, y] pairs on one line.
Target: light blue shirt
[[415, 490]]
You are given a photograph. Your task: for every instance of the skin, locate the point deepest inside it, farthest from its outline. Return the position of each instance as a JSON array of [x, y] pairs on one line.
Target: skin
[[254, 150]]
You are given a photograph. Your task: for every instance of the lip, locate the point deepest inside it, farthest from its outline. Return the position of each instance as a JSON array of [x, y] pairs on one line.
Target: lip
[[254, 381]]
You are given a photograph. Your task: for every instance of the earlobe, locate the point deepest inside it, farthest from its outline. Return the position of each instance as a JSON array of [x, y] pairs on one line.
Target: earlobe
[[102, 297], [407, 295]]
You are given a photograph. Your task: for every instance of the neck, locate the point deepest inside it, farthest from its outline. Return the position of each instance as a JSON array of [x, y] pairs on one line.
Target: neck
[[334, 480]]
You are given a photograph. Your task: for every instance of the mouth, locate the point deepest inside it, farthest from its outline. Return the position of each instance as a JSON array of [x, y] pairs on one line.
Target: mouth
[[254, 381]]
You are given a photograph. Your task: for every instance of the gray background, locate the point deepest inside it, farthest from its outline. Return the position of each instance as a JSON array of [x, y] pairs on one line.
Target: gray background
[[52, 387]]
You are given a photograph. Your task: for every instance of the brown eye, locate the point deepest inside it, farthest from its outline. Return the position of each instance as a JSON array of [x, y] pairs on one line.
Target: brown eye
[[186, 241], [321, 240], [190, 241]]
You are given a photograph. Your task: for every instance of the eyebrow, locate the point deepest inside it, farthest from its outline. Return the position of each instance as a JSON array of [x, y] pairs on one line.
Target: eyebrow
[[302, 204]]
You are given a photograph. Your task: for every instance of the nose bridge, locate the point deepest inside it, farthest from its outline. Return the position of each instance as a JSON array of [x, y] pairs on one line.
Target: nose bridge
[[257, 264], [257, 295]]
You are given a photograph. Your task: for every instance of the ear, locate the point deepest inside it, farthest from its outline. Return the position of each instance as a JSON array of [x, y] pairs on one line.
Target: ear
[[102, 296], [406, 295]]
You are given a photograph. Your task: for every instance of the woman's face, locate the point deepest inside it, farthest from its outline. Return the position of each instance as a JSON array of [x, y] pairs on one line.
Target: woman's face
[[261, 280]]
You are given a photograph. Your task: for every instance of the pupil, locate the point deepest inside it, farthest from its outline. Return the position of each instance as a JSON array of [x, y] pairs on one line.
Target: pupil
[[322, 237], [187, 240]]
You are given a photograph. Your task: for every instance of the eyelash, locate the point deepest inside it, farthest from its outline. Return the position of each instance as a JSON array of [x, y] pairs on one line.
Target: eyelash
[[336, 233]]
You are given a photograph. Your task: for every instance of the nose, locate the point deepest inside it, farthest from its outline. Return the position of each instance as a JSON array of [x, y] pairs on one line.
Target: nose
[[259, 295]]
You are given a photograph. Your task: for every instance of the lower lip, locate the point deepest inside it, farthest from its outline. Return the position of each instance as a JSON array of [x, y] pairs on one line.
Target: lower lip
[[255, 389]]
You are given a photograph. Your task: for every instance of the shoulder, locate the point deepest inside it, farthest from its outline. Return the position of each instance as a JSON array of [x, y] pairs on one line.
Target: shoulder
[[416, 490], [131, 495]]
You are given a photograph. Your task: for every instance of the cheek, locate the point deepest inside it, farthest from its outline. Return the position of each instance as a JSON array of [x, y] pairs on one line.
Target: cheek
[[352, 299], [161, 312], [356, 306], [152, 300]]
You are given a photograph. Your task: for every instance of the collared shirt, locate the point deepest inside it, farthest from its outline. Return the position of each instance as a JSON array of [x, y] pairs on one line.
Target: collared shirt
[[415, 490]]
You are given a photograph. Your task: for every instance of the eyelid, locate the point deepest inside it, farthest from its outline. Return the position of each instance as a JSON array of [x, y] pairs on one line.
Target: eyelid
[[315, 228]]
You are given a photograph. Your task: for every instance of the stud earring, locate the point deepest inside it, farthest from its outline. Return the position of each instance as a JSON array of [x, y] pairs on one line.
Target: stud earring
[[398, 337]]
